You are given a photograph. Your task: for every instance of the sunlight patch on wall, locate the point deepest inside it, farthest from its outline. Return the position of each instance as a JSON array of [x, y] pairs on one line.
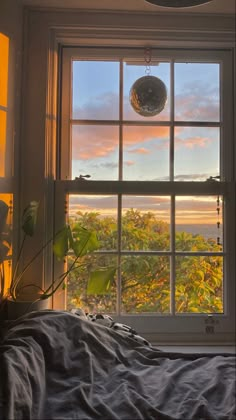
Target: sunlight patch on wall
[[3, 127], [7, 264], [4, 54]]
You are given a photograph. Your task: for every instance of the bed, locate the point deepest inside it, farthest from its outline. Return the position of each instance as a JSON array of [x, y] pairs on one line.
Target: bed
[[58, 365]]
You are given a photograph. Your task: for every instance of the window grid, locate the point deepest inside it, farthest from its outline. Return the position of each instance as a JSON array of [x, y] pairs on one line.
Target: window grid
[[172, 185]]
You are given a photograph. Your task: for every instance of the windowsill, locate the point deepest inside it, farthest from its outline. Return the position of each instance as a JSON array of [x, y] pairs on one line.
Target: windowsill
[[197, 348]]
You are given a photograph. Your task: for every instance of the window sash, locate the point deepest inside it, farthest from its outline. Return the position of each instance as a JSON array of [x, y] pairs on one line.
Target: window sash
[[217, 56]]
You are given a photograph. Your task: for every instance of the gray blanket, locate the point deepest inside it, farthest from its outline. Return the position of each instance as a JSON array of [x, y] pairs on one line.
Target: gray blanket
[[55, 365]]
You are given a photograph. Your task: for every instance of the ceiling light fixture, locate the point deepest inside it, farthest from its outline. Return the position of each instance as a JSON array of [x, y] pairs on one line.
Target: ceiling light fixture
[[178, 3]]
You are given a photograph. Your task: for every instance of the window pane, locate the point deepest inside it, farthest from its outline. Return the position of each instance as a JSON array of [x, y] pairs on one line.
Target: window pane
[[146, 153], [196, 153], [95, 88], [98, 213], [95, 151], [77, 296], [134, 72], [145, 223], [4, 54], [197, 92], [3, 139], [199, 284], [145, 284], [199, 223]]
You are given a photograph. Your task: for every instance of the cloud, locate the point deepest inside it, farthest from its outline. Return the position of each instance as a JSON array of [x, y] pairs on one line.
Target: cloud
[[199, 101], [105, 165], [129, 163], [96, 141], [186, 177], [140, 135], [140, 151], [193, 177], [201, 209], [93, 141], [192, 142], [102, 107]]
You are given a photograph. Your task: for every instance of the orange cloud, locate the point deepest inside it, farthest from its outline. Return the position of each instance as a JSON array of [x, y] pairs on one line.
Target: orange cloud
[[129, 163], [97, 141], [135, 135], [194, 210], [141, 151], [89, 142]]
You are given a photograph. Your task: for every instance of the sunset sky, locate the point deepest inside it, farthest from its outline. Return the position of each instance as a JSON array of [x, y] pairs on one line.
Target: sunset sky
[[146, 149]]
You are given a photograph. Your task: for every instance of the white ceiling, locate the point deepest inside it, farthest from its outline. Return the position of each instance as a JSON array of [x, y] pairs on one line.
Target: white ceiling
[[214, 7]]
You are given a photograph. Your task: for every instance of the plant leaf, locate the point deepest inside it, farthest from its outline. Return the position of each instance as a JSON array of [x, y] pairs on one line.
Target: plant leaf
[[4, 208], [100, 281], [87, 242], [5, 247], [29, 218], [61, 242]]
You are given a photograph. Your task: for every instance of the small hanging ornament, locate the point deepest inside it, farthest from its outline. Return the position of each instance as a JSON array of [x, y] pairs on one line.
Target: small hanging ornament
[[148, 95], [218, 221]]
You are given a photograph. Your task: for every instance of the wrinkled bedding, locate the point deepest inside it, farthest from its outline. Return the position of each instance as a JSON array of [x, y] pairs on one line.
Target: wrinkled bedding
[[56, 365]]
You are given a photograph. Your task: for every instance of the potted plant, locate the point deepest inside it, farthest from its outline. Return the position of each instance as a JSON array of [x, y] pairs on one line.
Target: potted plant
[[65, 240]]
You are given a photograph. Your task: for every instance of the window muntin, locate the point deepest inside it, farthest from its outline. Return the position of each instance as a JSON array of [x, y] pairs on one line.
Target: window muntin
[[181, 187], [151, 263], [173, 149]]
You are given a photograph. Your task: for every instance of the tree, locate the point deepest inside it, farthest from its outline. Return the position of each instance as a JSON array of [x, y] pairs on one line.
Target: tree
[[145, 279]]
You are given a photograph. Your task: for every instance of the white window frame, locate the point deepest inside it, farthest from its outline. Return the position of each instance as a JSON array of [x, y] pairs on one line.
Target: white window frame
[[180, 327]]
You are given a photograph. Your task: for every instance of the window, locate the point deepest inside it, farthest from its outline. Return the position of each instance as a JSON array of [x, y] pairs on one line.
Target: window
[[159, 188], [5, 143], [4, 50]]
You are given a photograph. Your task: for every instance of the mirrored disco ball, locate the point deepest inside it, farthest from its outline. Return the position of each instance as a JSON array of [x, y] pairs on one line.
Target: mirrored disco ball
[[148, 96]]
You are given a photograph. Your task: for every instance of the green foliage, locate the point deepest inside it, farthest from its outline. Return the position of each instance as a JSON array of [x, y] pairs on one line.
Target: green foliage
[[145, 279], [29, 218], [5, 234], [81, 242], [100, 281]]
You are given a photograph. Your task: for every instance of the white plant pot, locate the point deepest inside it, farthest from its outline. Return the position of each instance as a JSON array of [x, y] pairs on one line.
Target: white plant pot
[[18, 308]]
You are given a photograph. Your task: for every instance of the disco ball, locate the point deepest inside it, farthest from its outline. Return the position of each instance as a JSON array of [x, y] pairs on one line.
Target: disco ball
[[148, 96]]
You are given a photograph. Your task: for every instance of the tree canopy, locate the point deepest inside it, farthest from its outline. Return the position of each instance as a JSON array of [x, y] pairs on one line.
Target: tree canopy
[[145, 279]]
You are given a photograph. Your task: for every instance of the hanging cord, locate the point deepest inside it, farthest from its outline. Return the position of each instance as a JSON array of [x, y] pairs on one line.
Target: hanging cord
[[148, 59], [218, 221]]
